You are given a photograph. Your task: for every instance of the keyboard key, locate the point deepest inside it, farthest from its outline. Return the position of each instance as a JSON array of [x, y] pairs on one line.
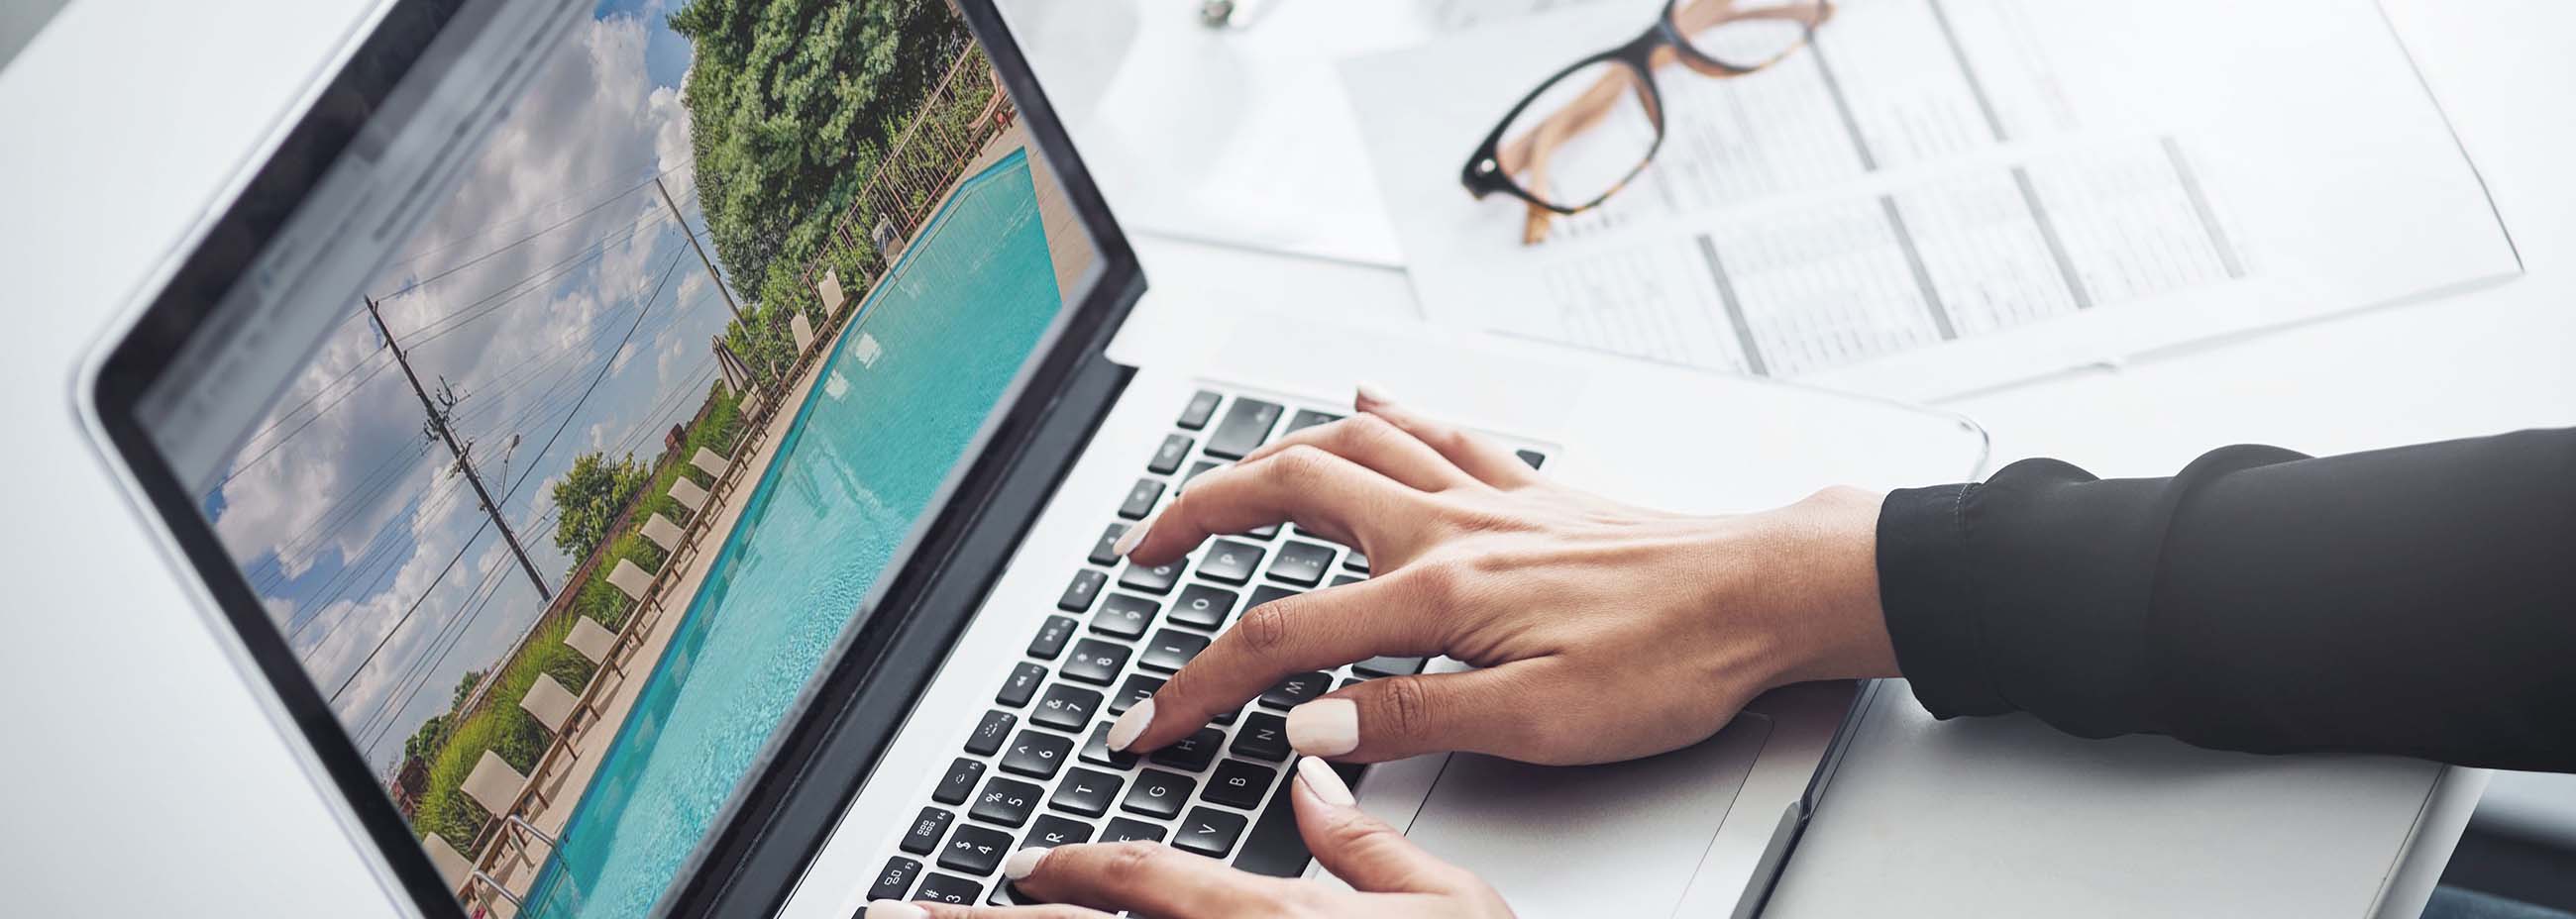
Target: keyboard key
[[1230, 561], [975, 850], [1078, 595], [1005, 801], [1105, 552], [1355, 561], [1137, 688], [1534, 458], [1274, 846], [1193, 752], [1124, 616], [1266, 593], [1140, 499], [1238, 784], [1246, 424], [949, 888], [1197, 469], [1121, 829], [1156, 580], [1095, 661], [1158, 794], [1302, 563], [1202, 407], [1307, 418], [1346, 579], [1296, 690], [895, 879], [989, 733], [1265, 531], [1383, 665], [1037, 755], [1096, 750], [1170, 649], [1051, 637], [1051, 831], [959, 783], [1202, 607], [1209, 832], [1065, 708], [1022, 686], [1263, 736], [1086, 791], [926, 830], [1167, 458]]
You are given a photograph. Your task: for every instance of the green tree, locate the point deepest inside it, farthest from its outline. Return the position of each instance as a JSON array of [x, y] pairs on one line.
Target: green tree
[[788, 101], [589, 498], [464, 687]]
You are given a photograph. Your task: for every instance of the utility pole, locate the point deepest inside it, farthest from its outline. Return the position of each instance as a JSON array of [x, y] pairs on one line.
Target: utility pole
[[712, 274], [438, 421]]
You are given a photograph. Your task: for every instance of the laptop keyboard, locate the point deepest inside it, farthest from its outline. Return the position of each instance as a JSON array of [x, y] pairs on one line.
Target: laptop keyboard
[[1036, 770]]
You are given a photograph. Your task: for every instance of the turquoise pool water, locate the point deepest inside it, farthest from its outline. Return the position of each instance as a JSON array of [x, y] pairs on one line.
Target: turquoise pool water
[[872, 441]]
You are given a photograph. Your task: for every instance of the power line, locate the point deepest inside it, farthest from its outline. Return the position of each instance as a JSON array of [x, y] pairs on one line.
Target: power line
[[521, 241], [532, 212]]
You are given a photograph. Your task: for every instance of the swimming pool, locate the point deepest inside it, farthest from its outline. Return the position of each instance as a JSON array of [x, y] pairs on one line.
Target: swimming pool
[[870, 444]]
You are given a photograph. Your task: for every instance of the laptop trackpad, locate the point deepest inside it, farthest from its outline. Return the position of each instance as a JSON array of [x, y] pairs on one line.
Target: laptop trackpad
[[1569, 841]]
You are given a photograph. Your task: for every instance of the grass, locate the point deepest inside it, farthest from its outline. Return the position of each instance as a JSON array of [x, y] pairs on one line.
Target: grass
[[499, 724]]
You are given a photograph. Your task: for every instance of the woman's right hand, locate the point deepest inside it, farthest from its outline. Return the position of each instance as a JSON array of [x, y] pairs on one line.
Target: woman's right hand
[[1599, 631]]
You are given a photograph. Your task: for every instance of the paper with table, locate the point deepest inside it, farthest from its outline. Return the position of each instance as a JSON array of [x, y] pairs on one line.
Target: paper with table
[[1941, 196]]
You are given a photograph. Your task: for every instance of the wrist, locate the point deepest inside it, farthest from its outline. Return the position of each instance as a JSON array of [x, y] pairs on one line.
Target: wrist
[[1831, 623]]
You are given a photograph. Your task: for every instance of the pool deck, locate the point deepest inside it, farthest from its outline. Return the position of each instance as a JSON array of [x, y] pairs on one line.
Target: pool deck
[[1070, 250]]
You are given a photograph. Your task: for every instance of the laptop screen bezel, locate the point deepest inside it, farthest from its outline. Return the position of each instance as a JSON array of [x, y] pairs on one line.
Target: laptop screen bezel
[[395, 49]]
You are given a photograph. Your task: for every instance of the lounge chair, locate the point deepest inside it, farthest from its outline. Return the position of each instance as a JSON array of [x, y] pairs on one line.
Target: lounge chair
[[550, 703], [663, 532], [493, 784], [714, 465], [631, 578], [593, 640], [452, 865], [688, 494], [830, 290], [804, 332]]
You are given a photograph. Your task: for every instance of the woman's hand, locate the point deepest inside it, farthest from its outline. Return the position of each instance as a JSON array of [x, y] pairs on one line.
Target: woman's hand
[[1600, 631], [1390, 876]]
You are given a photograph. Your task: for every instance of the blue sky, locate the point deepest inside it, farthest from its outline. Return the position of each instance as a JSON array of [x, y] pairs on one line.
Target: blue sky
[[348, 523]]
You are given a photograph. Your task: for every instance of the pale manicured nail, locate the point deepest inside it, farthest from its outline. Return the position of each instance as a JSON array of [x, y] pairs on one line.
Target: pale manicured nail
[[1018, 866], [1320, 779], [1127, 541], [1124, 730], [1324, 727], [896, 909], [1369, 395]]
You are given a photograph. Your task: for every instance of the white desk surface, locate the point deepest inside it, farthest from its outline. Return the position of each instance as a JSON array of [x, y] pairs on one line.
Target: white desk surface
[[128, 118]]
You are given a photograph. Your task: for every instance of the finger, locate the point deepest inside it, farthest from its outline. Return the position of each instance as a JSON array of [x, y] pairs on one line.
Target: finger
[[1141, 877], [1333, 497], [1291, 635], [1491, 710], [892, 909], [1482, 458], [1379, 445], [1362, 850]]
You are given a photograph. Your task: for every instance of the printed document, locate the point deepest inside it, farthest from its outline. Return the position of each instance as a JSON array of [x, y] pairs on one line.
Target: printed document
[[1942, 196]]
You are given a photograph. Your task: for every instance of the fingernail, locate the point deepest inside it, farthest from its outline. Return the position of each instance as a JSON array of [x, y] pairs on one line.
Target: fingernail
[[1320, 779], [1369, 395], [1127, 541], [1324, 727], [1123, 731], [1018, 866], [896, 909]]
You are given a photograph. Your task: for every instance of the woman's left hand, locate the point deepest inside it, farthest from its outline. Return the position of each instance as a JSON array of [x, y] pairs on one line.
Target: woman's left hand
[[1389, 875]]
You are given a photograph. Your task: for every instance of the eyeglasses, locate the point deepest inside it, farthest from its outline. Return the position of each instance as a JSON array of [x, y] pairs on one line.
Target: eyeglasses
[[1582, 135]]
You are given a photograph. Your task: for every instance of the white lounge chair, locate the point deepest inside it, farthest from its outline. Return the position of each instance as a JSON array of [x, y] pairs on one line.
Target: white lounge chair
[[830, 290], [452, 865], [663, 532], [593, 640], [712, 464], [493, 784], [550, 703], [631, 578], [688, 494], [804, 332]]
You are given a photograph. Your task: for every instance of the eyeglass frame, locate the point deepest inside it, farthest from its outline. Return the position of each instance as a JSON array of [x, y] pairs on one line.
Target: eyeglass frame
[[1484, 173]]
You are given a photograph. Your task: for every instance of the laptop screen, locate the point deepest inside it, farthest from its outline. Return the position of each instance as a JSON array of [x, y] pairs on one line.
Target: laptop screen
[[579, 410]]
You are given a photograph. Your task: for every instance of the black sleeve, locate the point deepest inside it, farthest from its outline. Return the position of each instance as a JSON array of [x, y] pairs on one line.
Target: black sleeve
[[2418, 601]]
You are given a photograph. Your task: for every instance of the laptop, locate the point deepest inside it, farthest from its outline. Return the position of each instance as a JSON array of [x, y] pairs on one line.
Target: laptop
[[662, 462]]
